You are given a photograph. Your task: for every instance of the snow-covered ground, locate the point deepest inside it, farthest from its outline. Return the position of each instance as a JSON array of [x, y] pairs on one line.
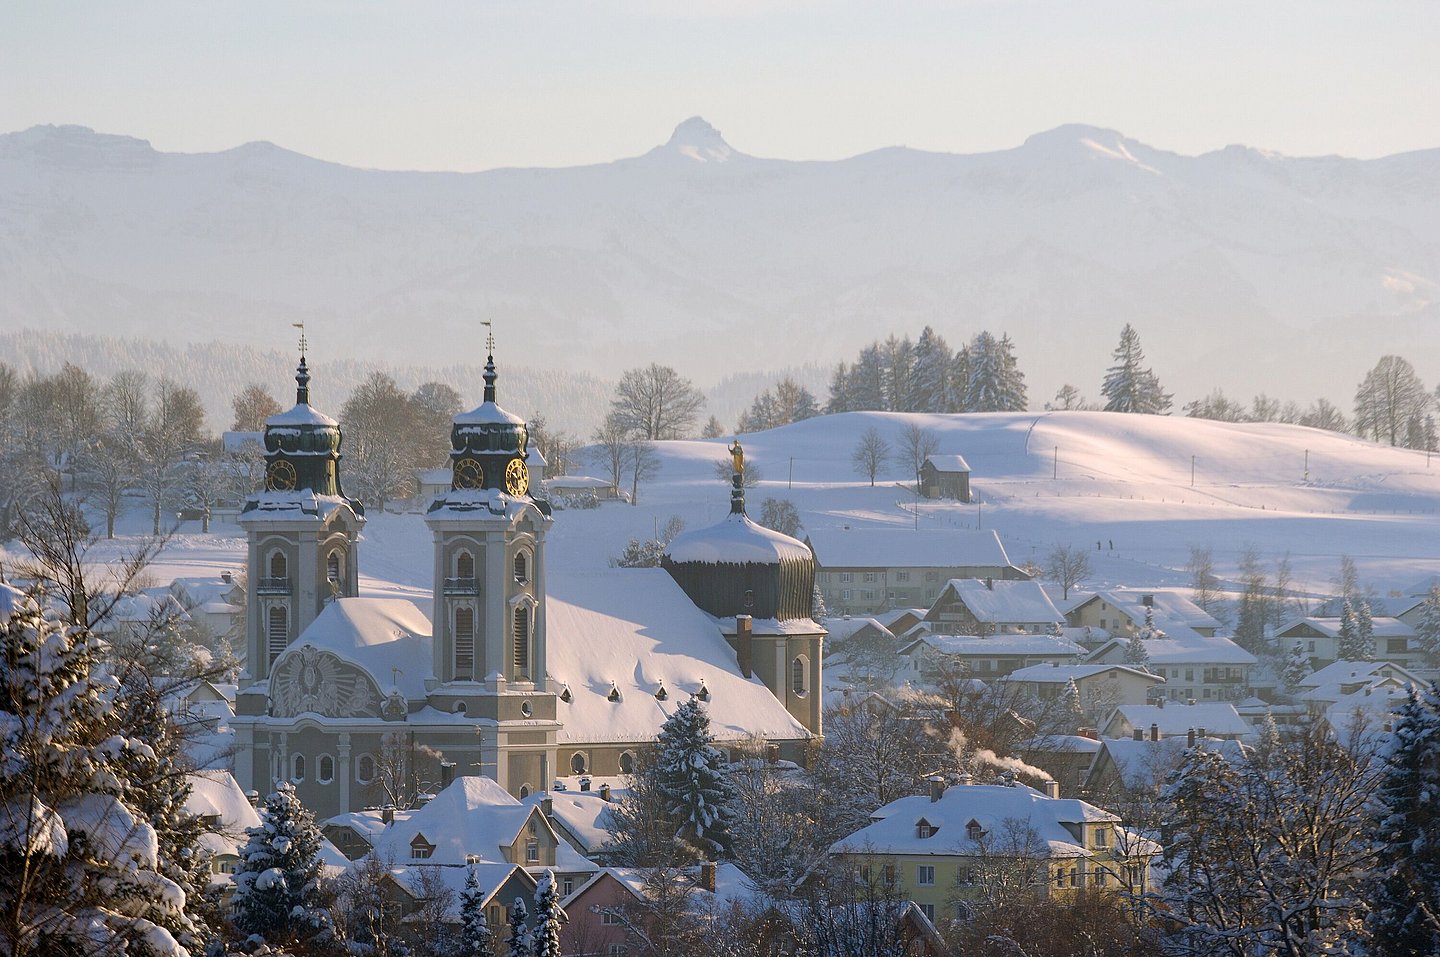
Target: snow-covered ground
[[1074, 478]]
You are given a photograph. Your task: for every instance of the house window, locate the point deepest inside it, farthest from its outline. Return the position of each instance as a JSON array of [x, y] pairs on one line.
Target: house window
[[421, 849], [522, 567], [567, 886], [297, 768], [332, 567], [365, 768], [627, 762], [1189, 675], [925, 829], [932, 576], [465, 565], [532, 851], [525, 790], [577, 762], [522, 642], [902, 576], [845, 577], [888, 875], [925, 875], [325, 769], [609, 918], [464, 644], [869, 576], [974, 831], [1100, 837], [279, 632], [929, 911], [800, 676], [845, 594], [278, 568]]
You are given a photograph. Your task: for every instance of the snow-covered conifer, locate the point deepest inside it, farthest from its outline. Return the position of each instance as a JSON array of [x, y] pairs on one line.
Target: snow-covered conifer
[[1356, 640], [545, 935], [278, 882], [930, 374], [1295, 669], [517, 939], [476, 937], [1136, 654], [1404, 916], [1071, 705], [1364, 632], [79, 866], [1128, 386], [692, 777], [995, 383], [839, 400], [1428, 628]]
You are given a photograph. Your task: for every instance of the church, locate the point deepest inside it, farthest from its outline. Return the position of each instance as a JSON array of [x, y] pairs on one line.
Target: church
[[363, 702]]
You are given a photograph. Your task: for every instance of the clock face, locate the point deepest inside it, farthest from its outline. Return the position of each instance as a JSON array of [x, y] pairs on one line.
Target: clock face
[[281, 477], [469, 474], [517, 477]]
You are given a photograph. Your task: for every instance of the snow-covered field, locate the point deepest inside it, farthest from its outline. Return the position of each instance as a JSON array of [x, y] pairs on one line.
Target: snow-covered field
[[1074, 478]]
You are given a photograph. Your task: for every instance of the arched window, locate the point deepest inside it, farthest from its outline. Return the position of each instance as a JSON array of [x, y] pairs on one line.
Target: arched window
[[278, 567], [522, 567], [800, 675], [522, 642], [524, 791], [278, 632], [627, 762], [297, 768], [577, 762], [464, 565], [464, 644], [332, 566], [325, 769], [365, 769]]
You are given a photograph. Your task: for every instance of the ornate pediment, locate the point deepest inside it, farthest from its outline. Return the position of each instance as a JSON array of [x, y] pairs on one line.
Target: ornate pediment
[[312, 680]]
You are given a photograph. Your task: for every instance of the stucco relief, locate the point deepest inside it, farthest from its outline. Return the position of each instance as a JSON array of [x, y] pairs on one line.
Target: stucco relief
[[320, 682]]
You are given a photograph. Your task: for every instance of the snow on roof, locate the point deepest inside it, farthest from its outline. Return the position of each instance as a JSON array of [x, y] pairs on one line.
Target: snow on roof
[[218, 794], [737, 540], [534, 457], [1343, 672], [488, 413], [1382, 606], [302, 414], [1178, 719], [871, 547], [1421, 589], [577, 482], [1061, 743], [840, 629], [237, 442], [895, 828], [11, 599], [146, 607], [1180, 646], [1060, 674], [889, 618], [732, 885], [1168, 607], [948, 463], [369, 823], [1330, 627], [1144, 764], [584, 815], [462, 504], [418, 877], [636, 628], [1001, 602], [1002, 644], [388, 637], [474, 816], [266, 506]]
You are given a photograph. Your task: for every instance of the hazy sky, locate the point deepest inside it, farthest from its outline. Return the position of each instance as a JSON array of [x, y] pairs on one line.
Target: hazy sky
[[474, 85]]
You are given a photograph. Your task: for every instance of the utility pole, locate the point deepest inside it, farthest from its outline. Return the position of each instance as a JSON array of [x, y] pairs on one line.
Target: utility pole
[[1192, 471], [790, 483], [1307, 463], [1055, 464]]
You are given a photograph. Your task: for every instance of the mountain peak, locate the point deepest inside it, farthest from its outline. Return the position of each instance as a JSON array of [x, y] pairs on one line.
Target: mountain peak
[[698, 140]]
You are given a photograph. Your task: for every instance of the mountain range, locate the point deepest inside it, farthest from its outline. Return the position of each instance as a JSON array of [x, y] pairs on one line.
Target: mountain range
[[1239, 268]]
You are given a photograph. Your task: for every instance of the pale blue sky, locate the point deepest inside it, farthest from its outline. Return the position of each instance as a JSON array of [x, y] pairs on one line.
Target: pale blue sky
[[474, 85]]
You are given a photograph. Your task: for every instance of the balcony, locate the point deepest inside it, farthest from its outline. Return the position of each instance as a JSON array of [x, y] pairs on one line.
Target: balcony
[[460, 586], [272, 586]]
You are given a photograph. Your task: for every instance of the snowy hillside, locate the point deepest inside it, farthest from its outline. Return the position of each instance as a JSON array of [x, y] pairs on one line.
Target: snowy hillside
[[1115, 479], [692, 251]]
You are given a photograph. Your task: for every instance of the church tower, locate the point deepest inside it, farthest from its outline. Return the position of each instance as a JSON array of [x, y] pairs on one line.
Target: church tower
[[489, 604], [301, 531]]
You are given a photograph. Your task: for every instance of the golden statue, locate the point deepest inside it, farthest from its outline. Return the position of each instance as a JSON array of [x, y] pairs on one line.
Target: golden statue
[[737, 455]]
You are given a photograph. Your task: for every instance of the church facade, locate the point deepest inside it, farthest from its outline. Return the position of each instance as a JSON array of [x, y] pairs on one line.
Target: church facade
[[364, 702]]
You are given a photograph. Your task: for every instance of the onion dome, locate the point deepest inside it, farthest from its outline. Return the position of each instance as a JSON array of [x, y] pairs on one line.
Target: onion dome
[[737, 567], [302, 447], [488, 446]]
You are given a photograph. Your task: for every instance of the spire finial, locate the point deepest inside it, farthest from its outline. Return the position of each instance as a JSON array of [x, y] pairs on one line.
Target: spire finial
[[490, 375], [737, 479], [302, 372]]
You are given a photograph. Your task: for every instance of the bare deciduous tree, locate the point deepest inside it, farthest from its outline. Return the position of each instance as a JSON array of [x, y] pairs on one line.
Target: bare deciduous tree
[[870, 454], [1067, 566], [656, 402]]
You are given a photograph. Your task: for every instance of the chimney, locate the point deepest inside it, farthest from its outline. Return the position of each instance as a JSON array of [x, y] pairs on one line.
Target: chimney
[[966, 777], [1190, 738], [605, 793], [1147, 600], [447, 774], [1052, 790], [387, 815], [707, 876], [584, 782], [253, 797], [1161, 703], [1092, 733], [989, 584], [547, 805], [772, 754], [1189, 702], [1154, 732], [937, 787], [1139, 734], [744, 644], [1200, 733], [227, 577]]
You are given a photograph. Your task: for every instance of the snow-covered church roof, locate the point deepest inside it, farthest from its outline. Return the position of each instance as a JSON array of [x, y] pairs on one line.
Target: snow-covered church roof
[[631, 631], [389, 638], [735, 539]]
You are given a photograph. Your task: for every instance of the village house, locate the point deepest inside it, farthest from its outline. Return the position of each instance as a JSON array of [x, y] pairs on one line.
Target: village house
[[1102, 687], [1195, 667], [943, 848], [931, 658], [602, 910], [1319, 639], [1122, 613], [1136, 767], [1215, 719], [972, 606], [862, 571], [945, 476]]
